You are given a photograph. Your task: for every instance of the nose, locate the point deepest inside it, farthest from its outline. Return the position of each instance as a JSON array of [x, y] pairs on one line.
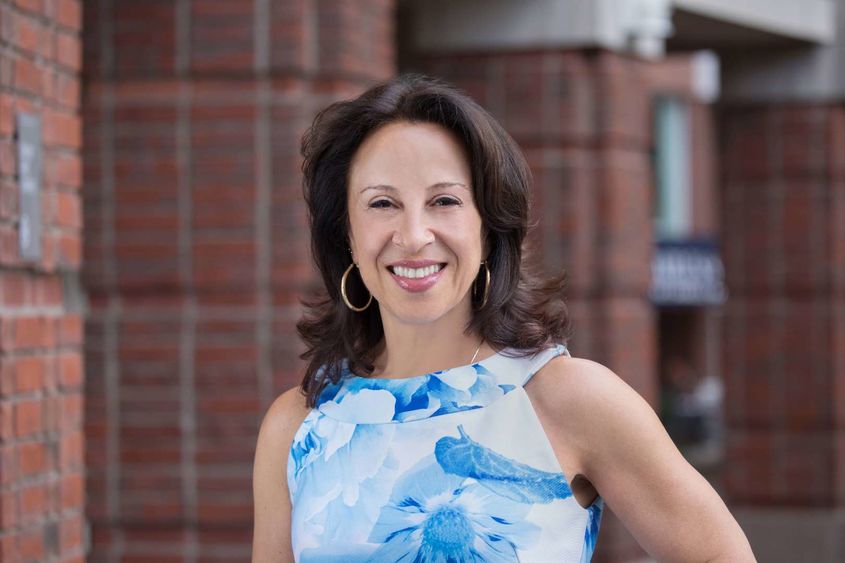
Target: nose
[[414, 233]]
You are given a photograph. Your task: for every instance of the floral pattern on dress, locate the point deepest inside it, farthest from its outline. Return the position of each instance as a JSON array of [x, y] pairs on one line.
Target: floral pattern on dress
[[349, 469], [591, 534], [464, 503], [416, 398], [376, 474], [433, 516], [509, 478]]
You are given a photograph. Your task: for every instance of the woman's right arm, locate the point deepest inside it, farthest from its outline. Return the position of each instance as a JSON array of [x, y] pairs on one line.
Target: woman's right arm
[[271, 541]]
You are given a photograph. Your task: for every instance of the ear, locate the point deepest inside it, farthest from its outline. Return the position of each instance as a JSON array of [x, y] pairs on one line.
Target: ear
[[351, 248], [486, 246], [350, 240]]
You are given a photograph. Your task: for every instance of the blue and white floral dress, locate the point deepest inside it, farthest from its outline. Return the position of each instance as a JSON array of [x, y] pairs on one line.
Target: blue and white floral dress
[[451, 466]]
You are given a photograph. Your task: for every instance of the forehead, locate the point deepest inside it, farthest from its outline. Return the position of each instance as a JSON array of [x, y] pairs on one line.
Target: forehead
[[409, 154]]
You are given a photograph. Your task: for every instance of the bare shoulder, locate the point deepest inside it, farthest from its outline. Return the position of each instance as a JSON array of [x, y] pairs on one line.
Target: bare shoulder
[[592, 410], [271, 500], [579, 377], [285, 414], [278, 429], [585, 392]]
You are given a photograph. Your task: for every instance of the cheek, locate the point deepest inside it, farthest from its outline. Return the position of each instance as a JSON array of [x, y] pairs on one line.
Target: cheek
[[359, 236], [352, 228], [474, 234], [370, 238]]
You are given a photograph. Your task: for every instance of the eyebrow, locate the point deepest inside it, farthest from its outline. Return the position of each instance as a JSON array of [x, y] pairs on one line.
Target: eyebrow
[[390, 188]]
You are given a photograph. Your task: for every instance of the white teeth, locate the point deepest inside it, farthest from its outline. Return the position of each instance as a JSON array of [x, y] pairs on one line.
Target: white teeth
[[416, 273]]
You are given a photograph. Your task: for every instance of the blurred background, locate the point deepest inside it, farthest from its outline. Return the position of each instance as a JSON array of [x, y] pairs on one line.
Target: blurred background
[[689, 164]]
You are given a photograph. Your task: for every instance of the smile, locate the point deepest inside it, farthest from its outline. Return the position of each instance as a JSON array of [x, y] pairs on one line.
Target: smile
[[416, 280], [416, 273]]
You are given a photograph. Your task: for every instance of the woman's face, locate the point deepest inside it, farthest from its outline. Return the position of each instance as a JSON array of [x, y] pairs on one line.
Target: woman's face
[[415, 231]]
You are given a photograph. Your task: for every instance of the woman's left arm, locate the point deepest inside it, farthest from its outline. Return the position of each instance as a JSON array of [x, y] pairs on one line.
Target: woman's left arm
[[670, 509]]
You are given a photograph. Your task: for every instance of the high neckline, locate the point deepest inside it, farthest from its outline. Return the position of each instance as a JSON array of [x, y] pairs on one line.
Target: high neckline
[[376, 400]]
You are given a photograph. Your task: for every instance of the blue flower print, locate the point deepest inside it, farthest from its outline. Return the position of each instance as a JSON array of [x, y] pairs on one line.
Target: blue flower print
[[435, 517], [344, 471], [416, 398], [517, 481], [320, 436], [463, 388], [377, 473], [591, 534]]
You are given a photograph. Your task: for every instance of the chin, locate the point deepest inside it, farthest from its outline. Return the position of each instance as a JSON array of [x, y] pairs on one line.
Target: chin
[[417, 314], [418, 317]]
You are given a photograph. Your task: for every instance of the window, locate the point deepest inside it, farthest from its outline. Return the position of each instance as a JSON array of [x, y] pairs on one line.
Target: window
[[672, 168]]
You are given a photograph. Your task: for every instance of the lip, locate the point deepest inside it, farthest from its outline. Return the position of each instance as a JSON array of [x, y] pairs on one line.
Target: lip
[[417, 285]]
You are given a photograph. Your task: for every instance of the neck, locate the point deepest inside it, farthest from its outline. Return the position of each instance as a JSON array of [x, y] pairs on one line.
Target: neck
[[411, 350]]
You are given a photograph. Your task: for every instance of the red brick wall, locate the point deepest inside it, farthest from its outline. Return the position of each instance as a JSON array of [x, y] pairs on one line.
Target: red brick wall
[[196, 249], [783, 205], [41, 400]]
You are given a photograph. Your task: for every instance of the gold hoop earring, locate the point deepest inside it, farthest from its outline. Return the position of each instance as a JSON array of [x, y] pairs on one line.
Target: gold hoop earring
[[486, 284], [343, 292]]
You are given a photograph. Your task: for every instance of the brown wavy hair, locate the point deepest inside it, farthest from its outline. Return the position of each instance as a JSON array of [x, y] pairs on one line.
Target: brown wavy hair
[[523, 312]]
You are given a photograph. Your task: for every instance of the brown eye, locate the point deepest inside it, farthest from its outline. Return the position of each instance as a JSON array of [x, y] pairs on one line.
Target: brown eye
[[446, 201], [380, 204]]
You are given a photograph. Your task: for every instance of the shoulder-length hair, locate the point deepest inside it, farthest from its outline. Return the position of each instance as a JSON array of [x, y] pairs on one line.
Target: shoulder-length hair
[[522, 312]]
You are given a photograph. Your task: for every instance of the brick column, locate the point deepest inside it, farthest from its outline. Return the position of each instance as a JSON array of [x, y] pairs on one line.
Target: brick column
[[581, 118], [41, 440], [197, 249], [784, 333]]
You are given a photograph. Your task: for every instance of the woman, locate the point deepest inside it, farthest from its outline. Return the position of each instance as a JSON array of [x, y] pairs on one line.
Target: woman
[[441, 417]]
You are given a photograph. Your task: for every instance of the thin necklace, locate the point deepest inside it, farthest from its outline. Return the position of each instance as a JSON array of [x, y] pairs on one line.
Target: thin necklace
[[472, 361]]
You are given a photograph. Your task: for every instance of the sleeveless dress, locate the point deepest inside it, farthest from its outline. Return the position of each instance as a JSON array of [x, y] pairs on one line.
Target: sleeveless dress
[[451, 466]]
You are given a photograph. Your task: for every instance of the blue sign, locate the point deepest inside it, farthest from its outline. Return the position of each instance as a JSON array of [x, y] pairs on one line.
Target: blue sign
[[687, 273]]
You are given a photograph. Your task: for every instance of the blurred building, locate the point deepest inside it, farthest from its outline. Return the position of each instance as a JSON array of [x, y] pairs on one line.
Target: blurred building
[[689, 164]]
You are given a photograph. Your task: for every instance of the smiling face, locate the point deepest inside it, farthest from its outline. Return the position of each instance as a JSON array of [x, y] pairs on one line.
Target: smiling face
[[415, 231]]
